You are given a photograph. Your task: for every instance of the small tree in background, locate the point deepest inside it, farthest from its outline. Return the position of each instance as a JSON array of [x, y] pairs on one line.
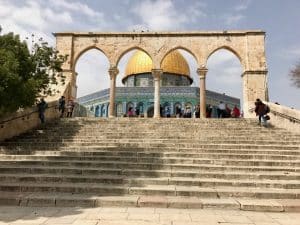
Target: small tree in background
[[295, 75], [26, 74]]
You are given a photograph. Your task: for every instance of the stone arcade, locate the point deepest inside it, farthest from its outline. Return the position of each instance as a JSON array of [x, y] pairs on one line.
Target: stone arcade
[[248, 46]]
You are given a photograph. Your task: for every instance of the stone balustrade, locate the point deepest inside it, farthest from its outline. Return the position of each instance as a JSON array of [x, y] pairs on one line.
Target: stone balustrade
[[284, 117]]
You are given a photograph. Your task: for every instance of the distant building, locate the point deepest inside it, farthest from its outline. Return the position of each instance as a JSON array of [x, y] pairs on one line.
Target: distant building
[[138, 90]]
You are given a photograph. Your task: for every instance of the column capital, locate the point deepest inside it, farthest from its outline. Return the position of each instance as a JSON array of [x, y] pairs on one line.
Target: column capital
[[156, 73], [202, 72], [113, 72]]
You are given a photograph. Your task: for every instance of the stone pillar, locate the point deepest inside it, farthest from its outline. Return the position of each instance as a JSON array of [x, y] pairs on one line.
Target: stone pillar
[[202, 74], [254, 86], [172, 108], [156, 73], [113, 72], [124, 108]]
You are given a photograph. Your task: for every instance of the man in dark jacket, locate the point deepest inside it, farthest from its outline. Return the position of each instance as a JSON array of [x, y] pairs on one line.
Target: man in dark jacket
[[42, 105], [260, 110], [61, 105]]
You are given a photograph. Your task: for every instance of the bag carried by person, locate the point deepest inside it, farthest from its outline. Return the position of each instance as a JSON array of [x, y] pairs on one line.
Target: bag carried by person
[[267, 117], [267, 108]]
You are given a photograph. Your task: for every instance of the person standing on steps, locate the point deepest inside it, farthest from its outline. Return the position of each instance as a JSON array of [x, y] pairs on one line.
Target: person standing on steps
[[70, 108], [42, 105], [221, 110], [260, 110], [61, 106], [235, 112]]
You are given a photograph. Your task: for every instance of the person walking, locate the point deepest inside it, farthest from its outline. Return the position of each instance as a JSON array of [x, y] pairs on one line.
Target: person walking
[[42, 105], [61, 106], [260, 110]]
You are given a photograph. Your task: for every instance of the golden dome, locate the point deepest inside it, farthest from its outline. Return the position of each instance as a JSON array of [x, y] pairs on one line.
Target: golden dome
[[173, 63]]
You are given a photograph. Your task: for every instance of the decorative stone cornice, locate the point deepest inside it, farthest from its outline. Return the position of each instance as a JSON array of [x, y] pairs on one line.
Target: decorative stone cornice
[[161, 34], [254, 72]]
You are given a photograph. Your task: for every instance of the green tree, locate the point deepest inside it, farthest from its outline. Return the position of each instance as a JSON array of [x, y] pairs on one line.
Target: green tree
[[26, 74], [295, 75]]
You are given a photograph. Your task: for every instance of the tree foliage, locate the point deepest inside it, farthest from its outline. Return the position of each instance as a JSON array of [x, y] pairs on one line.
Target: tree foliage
[[295, 75], [26, 74]]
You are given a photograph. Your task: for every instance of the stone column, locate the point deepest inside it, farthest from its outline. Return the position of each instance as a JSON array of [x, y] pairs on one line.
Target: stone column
[[113, 72], [254, 86], [202, 74], [172, 108], [156, 73], [124, 108]]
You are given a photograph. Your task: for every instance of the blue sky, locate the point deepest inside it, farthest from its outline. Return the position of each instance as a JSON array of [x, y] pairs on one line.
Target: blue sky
[[280, 19]]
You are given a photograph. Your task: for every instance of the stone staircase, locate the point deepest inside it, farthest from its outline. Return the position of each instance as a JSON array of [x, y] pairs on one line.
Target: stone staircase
[[179, 163]]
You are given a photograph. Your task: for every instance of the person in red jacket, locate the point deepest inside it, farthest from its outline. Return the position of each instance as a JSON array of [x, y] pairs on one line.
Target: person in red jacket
[[235, 112]]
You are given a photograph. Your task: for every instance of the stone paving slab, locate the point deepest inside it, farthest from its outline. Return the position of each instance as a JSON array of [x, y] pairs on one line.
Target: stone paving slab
[[140, 216]]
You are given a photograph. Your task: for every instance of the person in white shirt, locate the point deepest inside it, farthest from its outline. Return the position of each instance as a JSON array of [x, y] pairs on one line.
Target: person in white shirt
[[221, 109]]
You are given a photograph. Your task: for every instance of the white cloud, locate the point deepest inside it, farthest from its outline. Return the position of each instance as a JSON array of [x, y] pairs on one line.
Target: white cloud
[[243, 5], [158, 15], [233, 19], [163, 15], [77, 7], [5, 9], [236, 15], [295, 51], [63, 17], [92, 68], [292, 52], [31, 18], [224, 73], [220, 57]]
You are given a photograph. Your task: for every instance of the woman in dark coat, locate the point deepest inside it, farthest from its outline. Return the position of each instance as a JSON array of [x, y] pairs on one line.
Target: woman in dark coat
[[260, 110]]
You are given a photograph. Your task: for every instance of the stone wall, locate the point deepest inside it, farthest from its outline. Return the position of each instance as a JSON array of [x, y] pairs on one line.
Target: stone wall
[[20, 122]]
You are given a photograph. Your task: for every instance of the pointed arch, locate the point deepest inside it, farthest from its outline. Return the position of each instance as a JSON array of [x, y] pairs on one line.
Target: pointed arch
[[119, 57], [179, 48], [230, 49], [80, 53]]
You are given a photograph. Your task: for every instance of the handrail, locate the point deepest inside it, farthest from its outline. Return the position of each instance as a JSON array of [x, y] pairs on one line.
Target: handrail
[[276, 113], [24, 115], [291, 118]]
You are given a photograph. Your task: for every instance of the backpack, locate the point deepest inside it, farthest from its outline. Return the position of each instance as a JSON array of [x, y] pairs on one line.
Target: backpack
[[267, 108]]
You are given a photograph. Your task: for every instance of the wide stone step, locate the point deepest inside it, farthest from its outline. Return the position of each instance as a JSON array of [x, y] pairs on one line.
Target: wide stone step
[[142, 181], [228, 175], [156, 172], [162, 158], [137, 153], [153, 163], [159, 190], [183, 152], [87, 200], [161, 133], [47, 145], [165, 141]]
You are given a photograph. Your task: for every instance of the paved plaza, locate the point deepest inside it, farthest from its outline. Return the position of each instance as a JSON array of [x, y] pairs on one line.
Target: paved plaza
[[141, 216]]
